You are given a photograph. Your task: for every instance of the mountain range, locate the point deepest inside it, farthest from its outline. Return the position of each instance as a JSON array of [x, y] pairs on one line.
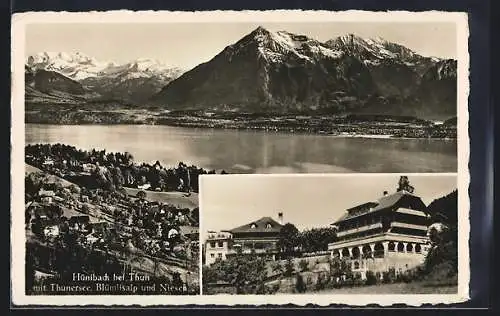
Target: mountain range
[[134, 81], [265, 71]]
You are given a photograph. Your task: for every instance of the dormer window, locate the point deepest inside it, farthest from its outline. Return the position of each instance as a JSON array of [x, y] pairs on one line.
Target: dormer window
[[253, 226], [268, 225]]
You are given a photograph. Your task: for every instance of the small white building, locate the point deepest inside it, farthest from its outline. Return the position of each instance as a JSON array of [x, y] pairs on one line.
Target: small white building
[[145, 186], [48, 162], [51, 231], [217, 246], [173, 233]]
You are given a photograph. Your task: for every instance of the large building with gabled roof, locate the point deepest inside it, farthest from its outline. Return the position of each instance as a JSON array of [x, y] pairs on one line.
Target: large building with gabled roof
[[259, 237], [384, 234]]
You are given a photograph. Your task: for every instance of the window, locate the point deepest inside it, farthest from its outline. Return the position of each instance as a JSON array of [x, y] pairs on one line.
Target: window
[[219, 255], [220, 244], [269, 225], [212, 244], [253, 226], [212, 255]]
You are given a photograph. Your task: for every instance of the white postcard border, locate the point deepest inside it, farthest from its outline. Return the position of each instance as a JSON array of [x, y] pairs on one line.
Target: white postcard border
[[20, 20]]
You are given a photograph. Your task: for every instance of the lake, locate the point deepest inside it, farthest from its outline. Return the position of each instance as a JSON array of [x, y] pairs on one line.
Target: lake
[[255, 151]]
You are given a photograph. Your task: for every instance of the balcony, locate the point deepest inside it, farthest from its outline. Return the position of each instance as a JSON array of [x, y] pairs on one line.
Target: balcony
[[410, 226], [411, 212], [359, 229], [247, 251], [219, 236]]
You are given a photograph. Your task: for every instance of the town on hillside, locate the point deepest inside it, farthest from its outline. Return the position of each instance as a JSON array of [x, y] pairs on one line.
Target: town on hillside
[[86, 233], [396, 244]]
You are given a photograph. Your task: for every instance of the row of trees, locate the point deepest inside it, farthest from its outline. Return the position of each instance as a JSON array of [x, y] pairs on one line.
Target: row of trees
[[120, 169], [292, 241]]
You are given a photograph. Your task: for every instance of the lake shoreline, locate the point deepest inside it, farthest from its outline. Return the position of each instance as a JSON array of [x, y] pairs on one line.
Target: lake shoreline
[[252, 151], [264, 130]]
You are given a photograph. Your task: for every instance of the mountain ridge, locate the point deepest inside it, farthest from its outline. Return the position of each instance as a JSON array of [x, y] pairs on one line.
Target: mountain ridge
[[281, 71]]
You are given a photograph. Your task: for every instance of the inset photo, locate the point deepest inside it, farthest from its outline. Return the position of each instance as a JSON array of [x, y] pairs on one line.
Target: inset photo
[[330, 234]]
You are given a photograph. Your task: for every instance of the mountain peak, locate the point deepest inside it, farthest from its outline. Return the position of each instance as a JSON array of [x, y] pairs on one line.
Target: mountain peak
[[279, 71], [260, 30]]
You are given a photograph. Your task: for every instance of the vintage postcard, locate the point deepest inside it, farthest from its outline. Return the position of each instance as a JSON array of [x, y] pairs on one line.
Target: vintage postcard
[[118, 116]]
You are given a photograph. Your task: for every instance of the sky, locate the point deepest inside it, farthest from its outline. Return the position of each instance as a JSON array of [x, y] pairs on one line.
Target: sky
[[186, 45], [307, 201]]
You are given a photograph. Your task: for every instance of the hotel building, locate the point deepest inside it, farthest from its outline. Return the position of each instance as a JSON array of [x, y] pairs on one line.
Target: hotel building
[[388, 233]]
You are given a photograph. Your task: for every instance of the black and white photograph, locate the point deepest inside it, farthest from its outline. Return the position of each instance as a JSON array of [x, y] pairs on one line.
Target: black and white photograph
[[327, 234], [119, 115]]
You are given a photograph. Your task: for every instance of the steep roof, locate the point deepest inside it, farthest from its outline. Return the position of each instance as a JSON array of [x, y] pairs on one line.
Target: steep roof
[[383, 203], [260, 226]]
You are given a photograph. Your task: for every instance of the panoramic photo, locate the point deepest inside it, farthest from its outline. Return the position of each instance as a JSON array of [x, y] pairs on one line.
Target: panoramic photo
[[330, 234], [241, 97]]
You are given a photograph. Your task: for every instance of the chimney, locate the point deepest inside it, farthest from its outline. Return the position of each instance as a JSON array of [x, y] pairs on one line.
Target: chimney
[[280, 218], [385, 193]]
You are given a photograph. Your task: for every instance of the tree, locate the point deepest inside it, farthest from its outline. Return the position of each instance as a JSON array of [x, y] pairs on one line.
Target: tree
[[441, 261], [339, 267], [74, 189], [277, 267], [288, 239], [371, 279], [85, 208], [300, 285], [177, 282], [118, 178], [404, 185], [320, 282], [141, 195], [246, 273], [303, 265], [317, 239], [289, 268], [195, 215]]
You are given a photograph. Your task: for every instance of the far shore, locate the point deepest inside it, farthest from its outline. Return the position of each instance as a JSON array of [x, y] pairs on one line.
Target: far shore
[[247, 129]]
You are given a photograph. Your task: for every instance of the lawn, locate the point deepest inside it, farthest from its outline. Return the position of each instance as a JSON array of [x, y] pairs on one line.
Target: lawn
[[394, 288], [178, 199]]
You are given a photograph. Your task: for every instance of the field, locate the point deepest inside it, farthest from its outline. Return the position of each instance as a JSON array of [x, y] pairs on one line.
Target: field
[[51, 178], [178, 199]]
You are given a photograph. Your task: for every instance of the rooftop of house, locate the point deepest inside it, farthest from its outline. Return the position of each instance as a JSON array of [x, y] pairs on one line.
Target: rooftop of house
[[385, 202], [79, 218], [46, 193], [186, 230], [264, 224]]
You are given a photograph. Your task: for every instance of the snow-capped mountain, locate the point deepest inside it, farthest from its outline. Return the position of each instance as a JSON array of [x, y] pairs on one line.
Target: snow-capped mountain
[[136, 80], [283, 72], [79, 66], [76, 66]]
